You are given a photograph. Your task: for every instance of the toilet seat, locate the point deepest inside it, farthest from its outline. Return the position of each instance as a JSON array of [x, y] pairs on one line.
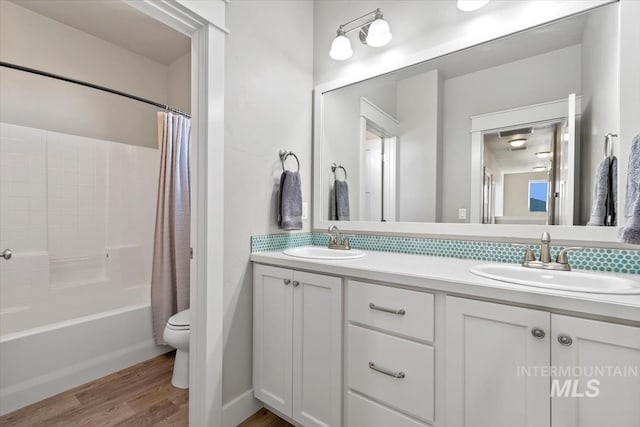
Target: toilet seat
[[180, 321]]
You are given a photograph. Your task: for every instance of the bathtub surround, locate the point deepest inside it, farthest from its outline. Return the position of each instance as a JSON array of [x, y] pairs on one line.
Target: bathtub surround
[[596, 259], [172, 244]]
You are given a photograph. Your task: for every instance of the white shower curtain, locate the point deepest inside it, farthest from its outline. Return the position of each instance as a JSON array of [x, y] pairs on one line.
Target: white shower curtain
[[171, 247]]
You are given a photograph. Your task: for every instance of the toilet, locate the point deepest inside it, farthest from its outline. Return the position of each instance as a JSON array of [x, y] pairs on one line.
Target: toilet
[[176, 334]]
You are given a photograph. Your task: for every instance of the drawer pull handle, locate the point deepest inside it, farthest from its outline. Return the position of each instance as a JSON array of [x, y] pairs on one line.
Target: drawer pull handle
[[386, 371], [400, 312]]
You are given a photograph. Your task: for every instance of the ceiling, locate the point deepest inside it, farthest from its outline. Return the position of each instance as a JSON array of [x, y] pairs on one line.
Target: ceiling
[[521, 161], [118, 23]]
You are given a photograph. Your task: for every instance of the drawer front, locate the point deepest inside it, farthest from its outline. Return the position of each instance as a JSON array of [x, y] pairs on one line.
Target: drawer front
[[367, 413], [394, 371], [401, 311]]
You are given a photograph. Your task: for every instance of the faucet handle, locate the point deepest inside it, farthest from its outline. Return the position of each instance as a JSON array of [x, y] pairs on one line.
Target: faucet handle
[[528, 253], [345, 242], [562, 256]]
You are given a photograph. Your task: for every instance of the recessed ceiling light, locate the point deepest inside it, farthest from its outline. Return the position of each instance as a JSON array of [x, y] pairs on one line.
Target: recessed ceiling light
[[540, 168], [471, 5], [543, 154], [518, 142]]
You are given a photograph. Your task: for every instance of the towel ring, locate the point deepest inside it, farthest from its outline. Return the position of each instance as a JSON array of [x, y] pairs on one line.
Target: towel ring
[[333, 169], [283, 156], [608, 144]]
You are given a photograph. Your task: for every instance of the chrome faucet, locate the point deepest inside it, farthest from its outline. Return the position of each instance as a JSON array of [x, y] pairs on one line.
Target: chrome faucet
[[336, 240], [561, 263]]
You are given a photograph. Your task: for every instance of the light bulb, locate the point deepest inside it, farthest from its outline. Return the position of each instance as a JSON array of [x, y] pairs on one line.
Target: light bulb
[[471, 5], [341, 48], [378, 33]]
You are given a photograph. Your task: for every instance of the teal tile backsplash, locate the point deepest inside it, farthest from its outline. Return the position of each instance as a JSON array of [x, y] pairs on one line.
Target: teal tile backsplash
[[597, 259]]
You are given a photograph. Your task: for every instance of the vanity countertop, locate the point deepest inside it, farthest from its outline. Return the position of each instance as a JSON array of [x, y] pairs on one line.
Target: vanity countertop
[[452, 276]]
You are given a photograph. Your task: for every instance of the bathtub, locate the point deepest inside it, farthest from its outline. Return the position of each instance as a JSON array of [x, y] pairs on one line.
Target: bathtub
[[57, 335], [40, 362]]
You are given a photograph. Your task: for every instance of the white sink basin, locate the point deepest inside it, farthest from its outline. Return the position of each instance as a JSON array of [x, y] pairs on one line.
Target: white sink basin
[[319, 252], [575, 281]]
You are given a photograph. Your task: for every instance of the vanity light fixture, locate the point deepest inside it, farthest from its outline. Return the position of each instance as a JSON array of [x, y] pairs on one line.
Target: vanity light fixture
[[543, 154], [373, 30], [515, 143], [471, 5]]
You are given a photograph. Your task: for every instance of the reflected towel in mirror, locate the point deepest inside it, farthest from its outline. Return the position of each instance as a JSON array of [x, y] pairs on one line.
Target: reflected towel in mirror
[[630, 232], [605, 194], [339, 201]]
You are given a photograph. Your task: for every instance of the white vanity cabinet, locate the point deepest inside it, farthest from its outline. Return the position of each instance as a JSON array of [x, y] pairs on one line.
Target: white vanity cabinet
[[489, 346], [589, 344], [297, 344], [486, 344], [390, 356]]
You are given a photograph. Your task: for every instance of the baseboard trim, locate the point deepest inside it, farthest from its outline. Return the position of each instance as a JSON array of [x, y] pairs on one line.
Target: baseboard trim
[[39, 388], [239, 409]]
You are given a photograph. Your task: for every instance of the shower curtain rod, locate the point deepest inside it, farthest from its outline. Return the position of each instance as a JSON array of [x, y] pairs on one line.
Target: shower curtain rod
[[93, 86]]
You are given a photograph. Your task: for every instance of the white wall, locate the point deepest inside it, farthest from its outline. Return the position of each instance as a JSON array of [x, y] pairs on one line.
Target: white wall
[[32, 40], [420, 101], [179, 83], [342, 132], [268, 107], [540, 78], [600, 97], [516, 194]]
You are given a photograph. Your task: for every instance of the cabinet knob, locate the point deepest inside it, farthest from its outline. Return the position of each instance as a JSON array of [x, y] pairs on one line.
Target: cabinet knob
[[538, 333], [565, 340], [286, 281], [296, 283]]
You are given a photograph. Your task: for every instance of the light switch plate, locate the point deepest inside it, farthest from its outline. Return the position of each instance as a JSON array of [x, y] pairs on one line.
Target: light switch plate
[[462, 213], [305, 210]]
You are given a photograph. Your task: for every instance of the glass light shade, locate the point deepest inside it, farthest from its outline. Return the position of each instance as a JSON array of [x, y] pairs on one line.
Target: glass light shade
[[543, 154], [515, 143], [379, 33], [341, 48], [471, 5]]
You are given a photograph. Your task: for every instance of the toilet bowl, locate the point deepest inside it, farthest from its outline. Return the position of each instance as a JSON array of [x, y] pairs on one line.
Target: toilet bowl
[[176, 334]]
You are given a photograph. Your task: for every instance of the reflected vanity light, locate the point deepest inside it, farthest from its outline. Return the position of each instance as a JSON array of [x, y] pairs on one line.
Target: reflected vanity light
[[471, 5], [373, 30], [540, 168], [543, 154], [515, 143]]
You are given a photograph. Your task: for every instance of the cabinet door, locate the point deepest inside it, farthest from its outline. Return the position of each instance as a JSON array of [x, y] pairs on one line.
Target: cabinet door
[[487, 346], [612, 398], [272, 336], [317, 349]]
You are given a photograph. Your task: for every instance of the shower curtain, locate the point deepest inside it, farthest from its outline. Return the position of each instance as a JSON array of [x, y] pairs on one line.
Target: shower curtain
[[171, 246]]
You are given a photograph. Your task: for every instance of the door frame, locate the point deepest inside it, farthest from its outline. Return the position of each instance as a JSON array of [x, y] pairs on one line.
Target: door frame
[[204, 24], [515, 117]]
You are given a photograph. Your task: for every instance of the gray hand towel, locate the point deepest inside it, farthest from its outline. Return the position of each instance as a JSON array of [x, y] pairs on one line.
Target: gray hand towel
[[290, 201], [333, 215], [341, 190], [604, 193], [630, 233]]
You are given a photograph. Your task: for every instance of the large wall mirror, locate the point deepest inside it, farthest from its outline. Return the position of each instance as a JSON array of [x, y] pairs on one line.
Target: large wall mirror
[[507, 132]]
